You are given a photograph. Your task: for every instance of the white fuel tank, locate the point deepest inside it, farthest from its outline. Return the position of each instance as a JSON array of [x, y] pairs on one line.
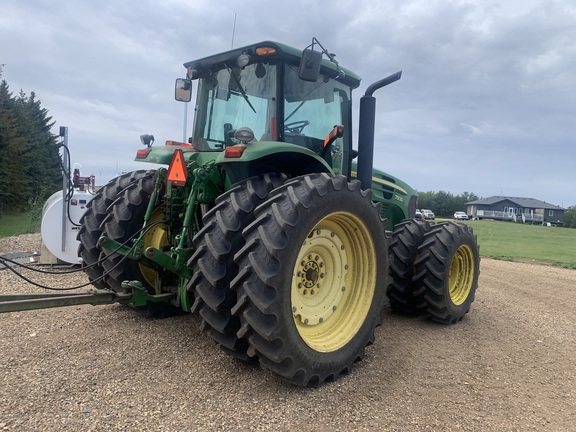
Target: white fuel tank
[[52, 227]]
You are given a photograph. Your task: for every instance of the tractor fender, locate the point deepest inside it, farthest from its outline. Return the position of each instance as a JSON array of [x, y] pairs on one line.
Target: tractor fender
[[252, 159], [162, 155]]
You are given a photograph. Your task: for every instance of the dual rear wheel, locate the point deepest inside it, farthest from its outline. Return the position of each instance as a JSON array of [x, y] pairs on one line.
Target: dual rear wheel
[[434, 270], [302, 289]]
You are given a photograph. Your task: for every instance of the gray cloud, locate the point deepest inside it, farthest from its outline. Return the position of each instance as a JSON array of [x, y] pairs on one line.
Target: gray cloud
[[485, 104]]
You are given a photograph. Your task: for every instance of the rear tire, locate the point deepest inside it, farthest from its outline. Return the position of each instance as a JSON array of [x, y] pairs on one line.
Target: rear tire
[[407, 236], [447, 271], [125, 218], [90, 231], [213, 261], [312, 278]]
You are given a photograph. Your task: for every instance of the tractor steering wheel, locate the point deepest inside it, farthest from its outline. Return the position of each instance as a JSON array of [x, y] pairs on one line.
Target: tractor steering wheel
[[296, 127]]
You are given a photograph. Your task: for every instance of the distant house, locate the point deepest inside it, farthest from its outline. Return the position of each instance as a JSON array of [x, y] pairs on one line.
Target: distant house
[[526, 210]]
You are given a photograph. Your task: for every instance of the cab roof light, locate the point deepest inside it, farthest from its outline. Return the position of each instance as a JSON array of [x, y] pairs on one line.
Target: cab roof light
[[193, 72], [265, 50], [243, 60]]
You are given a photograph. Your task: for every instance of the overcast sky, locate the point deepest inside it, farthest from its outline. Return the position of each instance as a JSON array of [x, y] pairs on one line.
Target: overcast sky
[[486, 103]]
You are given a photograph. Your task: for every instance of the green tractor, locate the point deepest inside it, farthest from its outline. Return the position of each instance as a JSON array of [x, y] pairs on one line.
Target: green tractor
[[265, 225]]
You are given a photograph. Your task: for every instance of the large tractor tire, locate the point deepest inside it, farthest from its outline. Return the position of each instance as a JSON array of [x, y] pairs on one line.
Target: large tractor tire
[[312, 278], [407, 237], [213, 261], [447, 271], [90, 230], [125, 218]]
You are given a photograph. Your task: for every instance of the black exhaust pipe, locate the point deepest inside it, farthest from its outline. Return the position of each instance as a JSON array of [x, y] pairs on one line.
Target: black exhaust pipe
[[366, 130]]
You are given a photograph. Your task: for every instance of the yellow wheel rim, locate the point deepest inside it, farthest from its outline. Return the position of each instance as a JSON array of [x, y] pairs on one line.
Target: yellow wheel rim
[[461, 275], [155, 237], [333, 282]]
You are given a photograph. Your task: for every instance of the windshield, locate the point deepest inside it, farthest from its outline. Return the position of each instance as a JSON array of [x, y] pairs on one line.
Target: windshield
[[311, 110], [232, 98]]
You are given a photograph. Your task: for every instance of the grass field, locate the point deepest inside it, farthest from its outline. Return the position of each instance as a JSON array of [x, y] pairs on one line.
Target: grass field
[[497, 239], [511, 241], [18, 223]]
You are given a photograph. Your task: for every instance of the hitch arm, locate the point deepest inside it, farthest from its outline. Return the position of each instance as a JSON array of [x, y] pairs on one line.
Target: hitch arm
[[22, 302]]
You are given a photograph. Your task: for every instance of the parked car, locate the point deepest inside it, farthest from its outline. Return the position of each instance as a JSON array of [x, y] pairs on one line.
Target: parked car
[[460, 216], [428, 214], [419, 214]]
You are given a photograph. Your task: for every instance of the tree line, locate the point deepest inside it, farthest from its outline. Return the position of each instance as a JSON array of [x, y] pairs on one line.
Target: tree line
[[570, 217], [444, 204], [30, 162]]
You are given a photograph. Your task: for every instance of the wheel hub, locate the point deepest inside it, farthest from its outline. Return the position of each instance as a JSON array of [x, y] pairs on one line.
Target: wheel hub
[[155, 237], [461, 275], [319, 277], [310, 274]]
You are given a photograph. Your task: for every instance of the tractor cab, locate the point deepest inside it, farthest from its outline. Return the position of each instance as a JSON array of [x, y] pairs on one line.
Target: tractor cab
[[271, 93]]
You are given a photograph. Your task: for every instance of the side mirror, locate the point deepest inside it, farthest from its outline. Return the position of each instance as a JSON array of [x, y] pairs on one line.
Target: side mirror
[[183, 90], [310, 65]]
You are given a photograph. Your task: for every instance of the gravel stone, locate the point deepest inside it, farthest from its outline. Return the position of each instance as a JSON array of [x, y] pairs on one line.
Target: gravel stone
[[508, 366]]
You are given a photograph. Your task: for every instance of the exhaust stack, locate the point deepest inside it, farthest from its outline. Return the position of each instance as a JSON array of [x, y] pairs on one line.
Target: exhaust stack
[[366, 130]]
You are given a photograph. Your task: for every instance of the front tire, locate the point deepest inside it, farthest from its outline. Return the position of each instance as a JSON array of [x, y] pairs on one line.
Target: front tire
[[447, 271], [312, 279]]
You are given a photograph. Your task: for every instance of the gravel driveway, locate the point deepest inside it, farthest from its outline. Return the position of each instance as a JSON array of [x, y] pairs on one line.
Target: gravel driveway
[[510, 365]]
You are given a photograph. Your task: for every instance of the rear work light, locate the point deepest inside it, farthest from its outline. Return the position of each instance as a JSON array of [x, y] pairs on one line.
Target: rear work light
[[143, 154], [179, 144], [234, 152]]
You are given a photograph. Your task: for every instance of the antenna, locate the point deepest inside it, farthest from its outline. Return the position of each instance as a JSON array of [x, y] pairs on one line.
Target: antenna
[[233, 31]]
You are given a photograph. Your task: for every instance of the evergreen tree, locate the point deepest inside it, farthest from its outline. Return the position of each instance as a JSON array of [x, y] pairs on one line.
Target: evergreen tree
[[11, 144], [42, 158], [29, 157]]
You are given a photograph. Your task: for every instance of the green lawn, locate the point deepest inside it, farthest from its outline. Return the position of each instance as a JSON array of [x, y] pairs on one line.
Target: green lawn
[[497, 239], [17, 223], [511, 241]]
